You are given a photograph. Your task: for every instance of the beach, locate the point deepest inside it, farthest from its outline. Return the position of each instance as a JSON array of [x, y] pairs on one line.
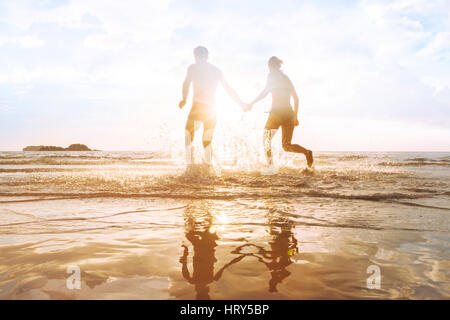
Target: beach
[[138, 225]]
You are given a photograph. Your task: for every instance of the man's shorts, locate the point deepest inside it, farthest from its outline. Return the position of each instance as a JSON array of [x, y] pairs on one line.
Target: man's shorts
[[204, 113]]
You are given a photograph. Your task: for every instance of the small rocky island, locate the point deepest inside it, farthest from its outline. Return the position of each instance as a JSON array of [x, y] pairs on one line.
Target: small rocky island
[[72, 147]]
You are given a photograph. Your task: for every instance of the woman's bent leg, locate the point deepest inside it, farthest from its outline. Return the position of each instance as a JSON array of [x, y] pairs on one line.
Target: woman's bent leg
[[287, 132]]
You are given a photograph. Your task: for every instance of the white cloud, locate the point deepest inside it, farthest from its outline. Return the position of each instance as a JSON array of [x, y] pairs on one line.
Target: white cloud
[[103, 41], [414, 6], [440, 43], [22, 75], [22, 41], [437, 84], [5, 108]]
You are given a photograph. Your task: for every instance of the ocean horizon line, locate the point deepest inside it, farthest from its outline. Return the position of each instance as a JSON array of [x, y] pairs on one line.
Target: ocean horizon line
[[372, 151]]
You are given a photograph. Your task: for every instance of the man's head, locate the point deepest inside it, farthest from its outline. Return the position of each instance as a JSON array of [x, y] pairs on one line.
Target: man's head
[[201, 54], [275, 63]]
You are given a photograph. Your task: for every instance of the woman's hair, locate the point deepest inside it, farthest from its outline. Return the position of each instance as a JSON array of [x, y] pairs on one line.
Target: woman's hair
[[275, 62]]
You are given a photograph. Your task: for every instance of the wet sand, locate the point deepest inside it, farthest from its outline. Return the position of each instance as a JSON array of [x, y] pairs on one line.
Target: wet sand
[[201, 249]]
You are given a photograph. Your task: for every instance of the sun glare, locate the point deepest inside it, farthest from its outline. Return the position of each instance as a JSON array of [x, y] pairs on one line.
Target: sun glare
[[227, 109]]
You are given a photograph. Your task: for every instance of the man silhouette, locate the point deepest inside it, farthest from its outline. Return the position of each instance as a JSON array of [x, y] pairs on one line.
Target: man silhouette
[[205, 78]]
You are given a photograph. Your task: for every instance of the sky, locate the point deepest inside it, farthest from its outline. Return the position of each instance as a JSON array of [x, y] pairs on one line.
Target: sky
[[371, 75]]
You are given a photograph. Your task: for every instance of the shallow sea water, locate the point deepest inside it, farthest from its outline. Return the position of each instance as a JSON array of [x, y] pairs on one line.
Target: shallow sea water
[[139, 226]]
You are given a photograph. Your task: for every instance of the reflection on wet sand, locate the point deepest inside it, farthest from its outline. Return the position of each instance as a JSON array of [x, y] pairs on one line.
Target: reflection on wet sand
[[282, 247], [201, 232], [217, 249]]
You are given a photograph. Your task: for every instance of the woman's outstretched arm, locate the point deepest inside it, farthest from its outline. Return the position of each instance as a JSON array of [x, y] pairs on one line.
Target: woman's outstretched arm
[[262, 95]]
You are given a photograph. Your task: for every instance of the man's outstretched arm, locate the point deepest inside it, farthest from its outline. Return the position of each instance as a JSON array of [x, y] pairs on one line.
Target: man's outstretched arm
[[186, 86], [231, 92]]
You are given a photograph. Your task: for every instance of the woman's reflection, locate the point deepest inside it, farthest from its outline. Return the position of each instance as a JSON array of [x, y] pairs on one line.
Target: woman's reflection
[[283, 246]]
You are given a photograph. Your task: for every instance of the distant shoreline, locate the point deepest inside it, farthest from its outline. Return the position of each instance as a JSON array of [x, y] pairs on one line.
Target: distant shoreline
[[343, 151], [72, 147]]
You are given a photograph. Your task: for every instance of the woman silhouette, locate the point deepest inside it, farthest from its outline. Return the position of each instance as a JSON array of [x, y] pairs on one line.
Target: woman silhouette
[[281, 113]]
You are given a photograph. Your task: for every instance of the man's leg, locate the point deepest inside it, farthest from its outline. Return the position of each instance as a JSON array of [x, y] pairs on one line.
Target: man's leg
[[191, 126], [208, 131], [286, 138]]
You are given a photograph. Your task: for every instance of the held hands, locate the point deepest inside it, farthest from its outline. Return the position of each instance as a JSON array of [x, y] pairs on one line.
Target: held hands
[[181, 104], [246, 106]]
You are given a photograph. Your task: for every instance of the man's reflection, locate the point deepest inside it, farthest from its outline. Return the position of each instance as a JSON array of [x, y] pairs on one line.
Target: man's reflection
[[200, 232]]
